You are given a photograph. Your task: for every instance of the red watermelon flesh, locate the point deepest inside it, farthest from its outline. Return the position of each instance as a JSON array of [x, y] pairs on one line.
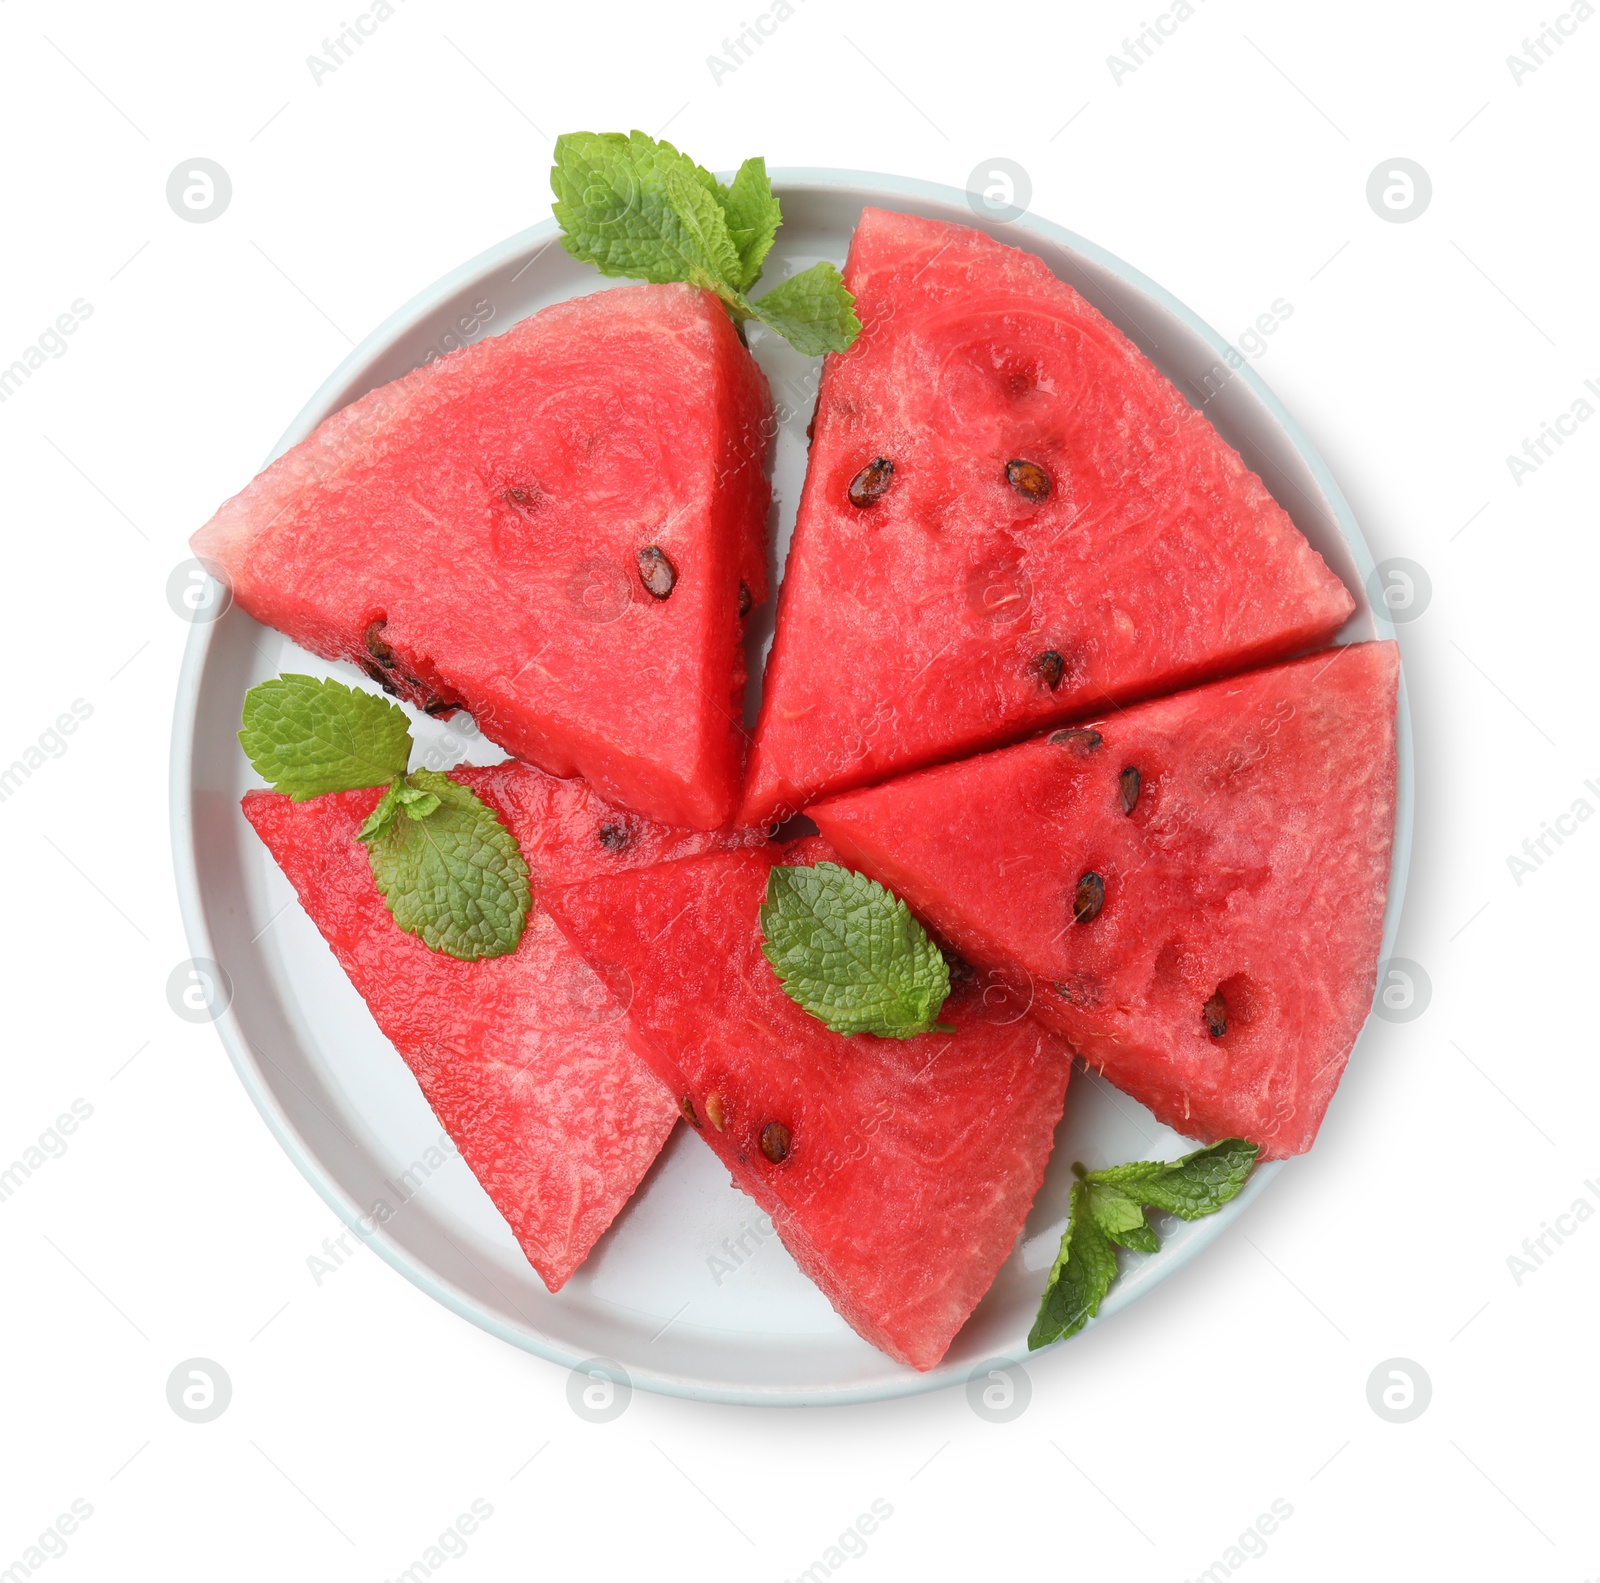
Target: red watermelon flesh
[[556, 528], [1253, 867], [1061, 530], [522, 1057], [910, 1165]]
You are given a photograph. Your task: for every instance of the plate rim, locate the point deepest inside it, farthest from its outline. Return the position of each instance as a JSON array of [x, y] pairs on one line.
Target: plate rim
[[871, 187]]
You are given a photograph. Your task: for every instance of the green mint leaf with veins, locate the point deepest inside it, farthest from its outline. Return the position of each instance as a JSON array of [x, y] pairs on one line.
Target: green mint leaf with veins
[[753, 217], [1106, 1210], [1080, 1278], [850, 953], [1198, 1184], [307, 736], [1121, 1218], [450, 872], [635, 206], [813, 311]]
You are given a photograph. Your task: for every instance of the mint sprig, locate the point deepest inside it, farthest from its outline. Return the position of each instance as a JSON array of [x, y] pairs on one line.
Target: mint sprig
[[1106, 1211], [634, 206], [448, 870], [452, 875], [850, 953]]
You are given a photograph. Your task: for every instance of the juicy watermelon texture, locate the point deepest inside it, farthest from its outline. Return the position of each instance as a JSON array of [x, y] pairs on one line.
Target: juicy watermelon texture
[[923, 627], [1255, 862], [489, 510], [522, 1056], [912, 1163]]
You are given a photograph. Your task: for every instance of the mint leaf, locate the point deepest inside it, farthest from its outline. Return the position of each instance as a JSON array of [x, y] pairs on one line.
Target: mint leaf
[[1198, 1184], [1107, 1208], [1121, 1218], [753, 217], [306, 736], [383, 815], [812, 311], [635, 207], [400, 797], [417, 803], [850, 953], [1080, 1278], [453, 875]]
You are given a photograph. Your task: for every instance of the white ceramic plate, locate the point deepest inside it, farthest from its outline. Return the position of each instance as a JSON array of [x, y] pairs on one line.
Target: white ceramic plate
[[684, 1292]]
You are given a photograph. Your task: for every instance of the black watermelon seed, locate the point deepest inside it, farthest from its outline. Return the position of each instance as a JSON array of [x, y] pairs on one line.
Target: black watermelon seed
[[1088, 898], [656, 572], [871, 484], [439, 706], [377, 648], [615, 836], [1079, 737], [1129, 783], [686, 1105], [744, 599], [775, 1142], [380, 676], [1049, 667], [1215, 1013], [524, 497], [1029, 480]]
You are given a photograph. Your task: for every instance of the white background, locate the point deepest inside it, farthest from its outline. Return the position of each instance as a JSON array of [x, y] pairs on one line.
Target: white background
[[1232, 167]]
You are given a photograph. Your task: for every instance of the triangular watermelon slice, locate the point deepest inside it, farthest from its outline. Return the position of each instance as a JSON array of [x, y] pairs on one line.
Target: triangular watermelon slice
[[898, 1173], [1191, 890], [522, 1056], [1011, 518], [559, 529]]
